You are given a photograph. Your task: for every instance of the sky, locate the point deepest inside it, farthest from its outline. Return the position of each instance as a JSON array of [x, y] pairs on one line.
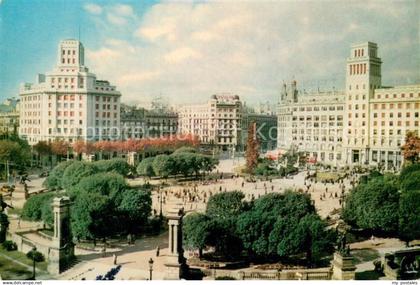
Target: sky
[[186, 51]]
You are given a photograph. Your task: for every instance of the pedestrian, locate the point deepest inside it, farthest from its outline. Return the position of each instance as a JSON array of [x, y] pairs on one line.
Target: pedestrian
[[104, 251], [157, 251], [114, 256]]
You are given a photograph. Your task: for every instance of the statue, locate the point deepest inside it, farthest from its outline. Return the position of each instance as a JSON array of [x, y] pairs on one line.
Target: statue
[[4, 221], [342, 247], [3, 204]]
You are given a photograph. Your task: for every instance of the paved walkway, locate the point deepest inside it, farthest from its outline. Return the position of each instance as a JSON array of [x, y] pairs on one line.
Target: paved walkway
[[133, 259]]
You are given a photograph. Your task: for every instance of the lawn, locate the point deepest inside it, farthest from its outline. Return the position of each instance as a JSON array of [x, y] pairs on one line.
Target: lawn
[[12, 271], [365, 255], [19, 256], [323, 176]]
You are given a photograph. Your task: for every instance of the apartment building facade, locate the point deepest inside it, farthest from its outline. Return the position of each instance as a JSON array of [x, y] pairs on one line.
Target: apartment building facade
[[364, 125], [217, 122]]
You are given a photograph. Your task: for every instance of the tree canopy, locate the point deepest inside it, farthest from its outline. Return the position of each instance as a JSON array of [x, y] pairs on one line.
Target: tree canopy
[[374, 205], [53, 181], [117, 165], [387, 204], [75, 172], [38, 207], [411, 148], [145, 167], [275, 225], [163, 165]]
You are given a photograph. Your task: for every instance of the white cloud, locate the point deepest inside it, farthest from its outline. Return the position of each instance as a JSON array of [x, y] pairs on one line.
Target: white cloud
[[123, 10], [93, 8], [153, 33], [116, 20], [181, 54], [137, 77], [188, 51]]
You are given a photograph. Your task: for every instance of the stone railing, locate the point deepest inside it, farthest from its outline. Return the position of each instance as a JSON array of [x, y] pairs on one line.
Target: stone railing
[[299, 274], [289, 274]]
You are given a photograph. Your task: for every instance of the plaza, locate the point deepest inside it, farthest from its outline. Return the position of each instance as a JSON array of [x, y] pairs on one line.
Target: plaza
[[133, 258]]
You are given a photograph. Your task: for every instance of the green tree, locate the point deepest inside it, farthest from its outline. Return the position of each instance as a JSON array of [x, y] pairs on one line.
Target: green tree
[[118, 165], [209, 163], [99, 218], [47, 213], [53, 181], [145, 167], [90, 216], [374, 205], [411, 181], [135, 208], [409, 215], [223, 237], [14, 152], [36, 207], [225, 205], [311, 236], [75, 172], [408, 169], [43, 149], [196, 232], [223, 210], [266, 228], [163, 165], [110, 185]]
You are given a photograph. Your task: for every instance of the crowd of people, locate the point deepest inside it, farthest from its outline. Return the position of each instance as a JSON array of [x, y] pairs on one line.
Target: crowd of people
[[194, 195]]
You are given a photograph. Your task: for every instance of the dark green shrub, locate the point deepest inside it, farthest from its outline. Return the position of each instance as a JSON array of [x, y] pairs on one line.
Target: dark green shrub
[[9, 245]]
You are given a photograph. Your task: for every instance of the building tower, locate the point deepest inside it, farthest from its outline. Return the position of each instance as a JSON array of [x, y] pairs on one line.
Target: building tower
[[363, 75], [71, 53]]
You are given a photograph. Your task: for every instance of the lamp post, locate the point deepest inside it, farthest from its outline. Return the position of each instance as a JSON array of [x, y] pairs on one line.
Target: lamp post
[[33, 251], [150, 268], [161, 201]]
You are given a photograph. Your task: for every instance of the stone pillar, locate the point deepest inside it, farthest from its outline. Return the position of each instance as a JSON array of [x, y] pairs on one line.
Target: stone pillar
[[61, 253], [343, 267], [175, 262]]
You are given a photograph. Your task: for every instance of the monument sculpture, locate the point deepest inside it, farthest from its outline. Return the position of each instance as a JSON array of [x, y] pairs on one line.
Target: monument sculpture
[[4, 221], [176, 266], [62, 250], [343, 263]]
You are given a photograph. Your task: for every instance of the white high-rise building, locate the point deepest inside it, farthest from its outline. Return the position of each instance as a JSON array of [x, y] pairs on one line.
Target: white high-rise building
[[69, 103]]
